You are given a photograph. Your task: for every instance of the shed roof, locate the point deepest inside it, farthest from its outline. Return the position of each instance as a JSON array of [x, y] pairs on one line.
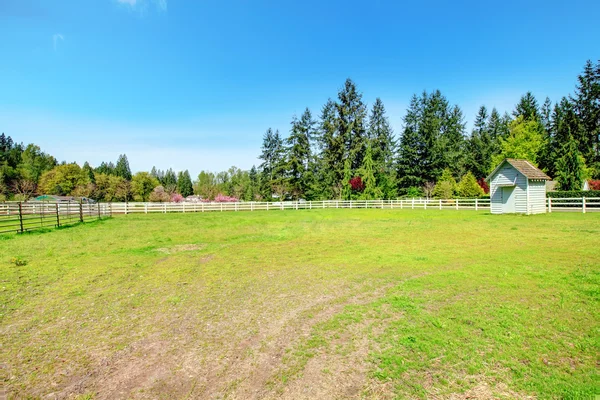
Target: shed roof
[[523, 166]]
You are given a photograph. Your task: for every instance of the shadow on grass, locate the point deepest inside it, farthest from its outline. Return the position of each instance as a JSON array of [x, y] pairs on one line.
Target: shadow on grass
[[42, 231]]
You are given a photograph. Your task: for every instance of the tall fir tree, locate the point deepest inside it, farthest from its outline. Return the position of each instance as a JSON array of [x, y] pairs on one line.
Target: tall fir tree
[[409, 160], [89, 171], [184, 184], [570, 167], [383, 145], [332, 151], [351, 123], [298, 156], [122, 169], [367, 174], [528, 108], [586, 103], [481, 145]]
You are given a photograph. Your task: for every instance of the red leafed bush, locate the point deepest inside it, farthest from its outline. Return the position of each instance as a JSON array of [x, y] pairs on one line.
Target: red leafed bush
[[594, 185], [484, 185], [176, 198], [357, 184]]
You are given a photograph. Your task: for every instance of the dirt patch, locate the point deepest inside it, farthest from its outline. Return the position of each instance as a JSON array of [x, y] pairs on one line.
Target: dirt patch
[[179, 248]]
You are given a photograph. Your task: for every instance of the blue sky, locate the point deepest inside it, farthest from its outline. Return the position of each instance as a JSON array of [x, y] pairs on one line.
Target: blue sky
[[194, 84]]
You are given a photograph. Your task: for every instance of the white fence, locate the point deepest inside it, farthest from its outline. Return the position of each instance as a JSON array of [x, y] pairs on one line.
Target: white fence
[[454, 204], [574, 204]]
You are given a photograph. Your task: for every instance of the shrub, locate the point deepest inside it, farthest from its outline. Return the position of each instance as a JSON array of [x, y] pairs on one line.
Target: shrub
[[564, 194], [445, 186], [414, 191], [484, 185], [468, 186], [357, 184], [159, 195], [176, 198], [221, 198]]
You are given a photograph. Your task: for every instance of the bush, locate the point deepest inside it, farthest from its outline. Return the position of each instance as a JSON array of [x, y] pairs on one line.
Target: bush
[[220, 198], [564, 194], [159, 195], [176, 198], [468, 186]]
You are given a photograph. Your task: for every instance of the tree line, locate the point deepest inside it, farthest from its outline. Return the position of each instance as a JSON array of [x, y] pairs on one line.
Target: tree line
[[349, 151]]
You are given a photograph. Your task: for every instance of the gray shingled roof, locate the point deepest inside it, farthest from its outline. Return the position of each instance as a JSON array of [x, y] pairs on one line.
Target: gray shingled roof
[[524, 167]]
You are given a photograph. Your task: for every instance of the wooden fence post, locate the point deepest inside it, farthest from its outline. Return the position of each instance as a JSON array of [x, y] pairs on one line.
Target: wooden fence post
[[475, 204], [457, 204], [98, 207], [57, 216], [80, 210], [583, 205], [550, 204], [21, 216], [440, 204]]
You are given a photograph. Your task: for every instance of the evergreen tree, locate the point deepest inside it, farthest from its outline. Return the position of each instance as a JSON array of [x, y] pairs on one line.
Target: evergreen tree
[[122, 169], [564, 122], [452, 142], [273, 166], [367, 174], [528, 108], [169, 181], [483, 143], [346, 188], [587, 108], [332, 151], [254, 183], [298, 155], [184, 184], [381, 139], [546, 114], [570, 167], [89, 171], [351, 121], [468, 186], [154, 172], [409, 160], [445, 188]]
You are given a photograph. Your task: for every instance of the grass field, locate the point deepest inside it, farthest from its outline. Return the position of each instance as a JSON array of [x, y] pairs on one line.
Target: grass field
[[304, 304]]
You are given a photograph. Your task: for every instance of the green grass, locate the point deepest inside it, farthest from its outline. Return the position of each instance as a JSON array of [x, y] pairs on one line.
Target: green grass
[[430, 303]]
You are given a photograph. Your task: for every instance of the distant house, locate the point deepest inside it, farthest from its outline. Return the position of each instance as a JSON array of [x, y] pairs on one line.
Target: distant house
[[194, 198], [517, 186], [55, 199]]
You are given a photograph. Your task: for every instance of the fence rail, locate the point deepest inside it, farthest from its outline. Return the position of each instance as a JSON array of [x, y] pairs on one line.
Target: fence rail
[[28, 216], [573, 204], [146, 208]]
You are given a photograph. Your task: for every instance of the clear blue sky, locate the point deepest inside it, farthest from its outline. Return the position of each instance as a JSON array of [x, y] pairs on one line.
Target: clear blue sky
[[194, 84]]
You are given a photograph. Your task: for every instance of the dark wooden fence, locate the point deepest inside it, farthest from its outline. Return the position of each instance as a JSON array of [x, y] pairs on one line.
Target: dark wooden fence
[[20, 217]]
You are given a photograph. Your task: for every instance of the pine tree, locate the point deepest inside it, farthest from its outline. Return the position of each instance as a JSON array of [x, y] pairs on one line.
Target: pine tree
[[154, 172], [587, 108], [468, 186], [89, 172], [122, 169], [332, 151], [482, 145], [351, 121], [367, 174], [453, 142], [381, 139], [528, 108], [346, 188], [184, 184], [409, 160], [564, 122], [570, 167], [169, 180], [298, 156]]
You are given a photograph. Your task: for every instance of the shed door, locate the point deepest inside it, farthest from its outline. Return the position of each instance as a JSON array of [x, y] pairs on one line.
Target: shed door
[[508, 199]]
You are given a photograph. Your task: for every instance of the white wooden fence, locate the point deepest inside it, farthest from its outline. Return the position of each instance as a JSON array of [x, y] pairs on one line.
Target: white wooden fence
[[553, 205], [574, 204], [454, 204]]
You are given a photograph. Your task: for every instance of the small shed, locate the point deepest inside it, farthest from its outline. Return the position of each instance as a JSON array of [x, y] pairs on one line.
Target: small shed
[[517, 186]]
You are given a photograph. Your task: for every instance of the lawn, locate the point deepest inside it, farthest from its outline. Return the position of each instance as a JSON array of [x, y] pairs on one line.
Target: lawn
[[304, 304]]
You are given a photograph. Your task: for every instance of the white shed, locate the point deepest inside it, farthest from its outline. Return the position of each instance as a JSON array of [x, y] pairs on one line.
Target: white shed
[[516, 186]]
